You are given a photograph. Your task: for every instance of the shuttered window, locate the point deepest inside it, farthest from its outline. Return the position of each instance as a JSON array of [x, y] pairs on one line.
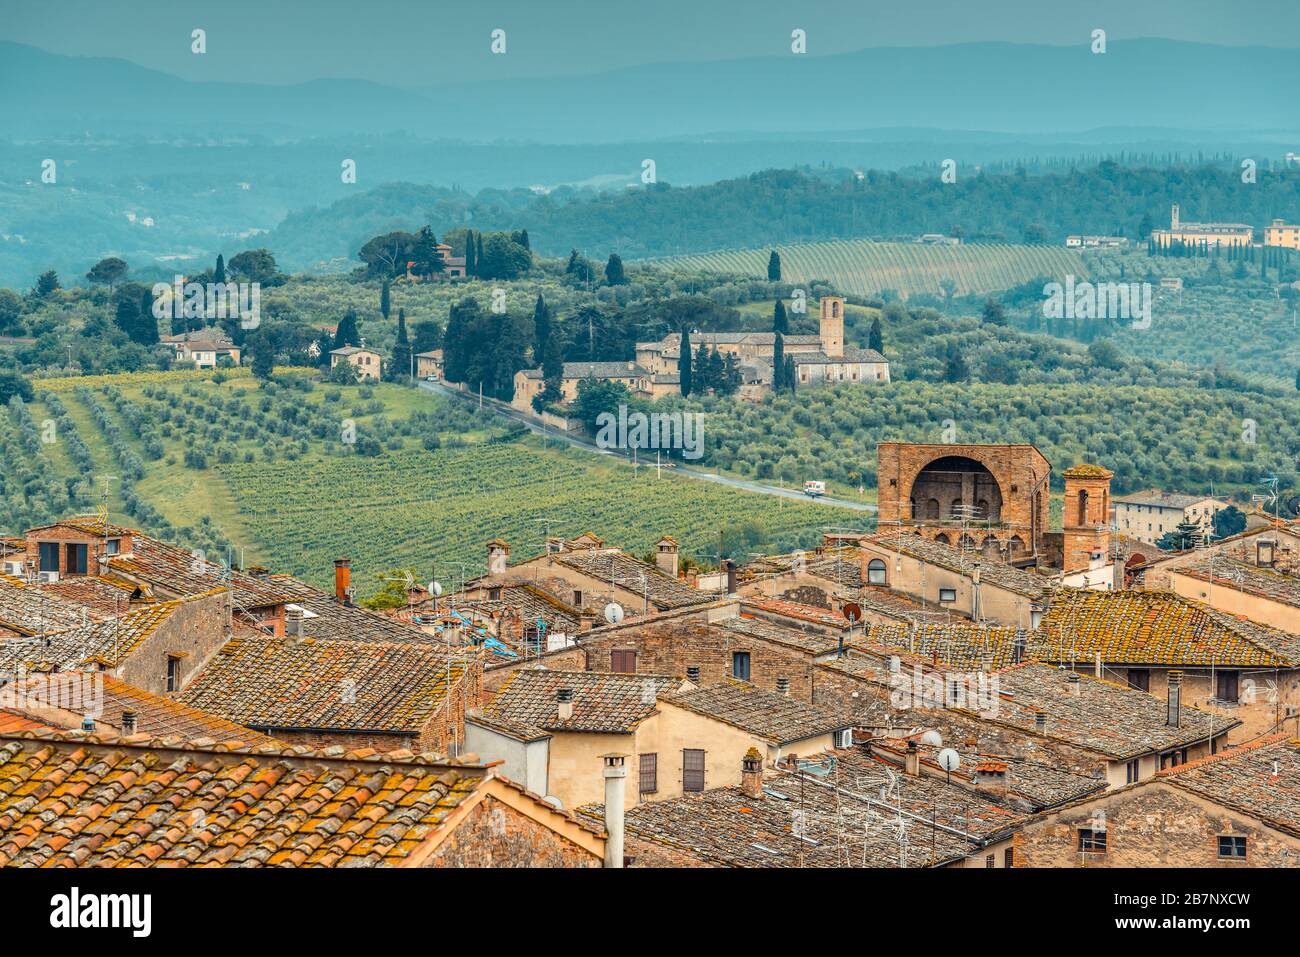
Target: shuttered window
[[692, 769], [623, 662], [649, 773]]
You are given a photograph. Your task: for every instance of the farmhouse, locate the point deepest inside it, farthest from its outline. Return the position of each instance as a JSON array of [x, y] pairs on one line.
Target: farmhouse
[[367, 362], [1202, 234]]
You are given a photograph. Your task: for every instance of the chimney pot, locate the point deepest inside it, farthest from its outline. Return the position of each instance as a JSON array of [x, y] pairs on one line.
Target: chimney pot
[[564, 701], [912, 761], [751, 774], [342, 580], [783, 686], [88, 723], [1040, 722], [693, 674], [615, 779], [293, 622], [1073, 681], [128, 723]]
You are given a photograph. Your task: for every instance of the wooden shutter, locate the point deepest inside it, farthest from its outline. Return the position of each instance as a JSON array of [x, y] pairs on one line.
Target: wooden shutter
[[692, 769], [623, 661]]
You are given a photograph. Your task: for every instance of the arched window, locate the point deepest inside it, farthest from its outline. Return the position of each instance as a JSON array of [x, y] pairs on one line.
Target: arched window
[[932, 508], [1083, 507], [876, 572], [942, 539]]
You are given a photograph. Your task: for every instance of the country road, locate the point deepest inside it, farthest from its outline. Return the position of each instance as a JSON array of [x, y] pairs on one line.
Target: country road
[[580, 443]]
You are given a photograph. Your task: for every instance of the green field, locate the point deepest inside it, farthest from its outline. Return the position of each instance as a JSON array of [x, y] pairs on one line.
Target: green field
[[232, 467], [864, 268]]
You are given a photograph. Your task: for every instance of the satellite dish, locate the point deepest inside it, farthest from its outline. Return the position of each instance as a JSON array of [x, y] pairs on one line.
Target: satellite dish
[[435, 589], [949, 760], [613, 613], [932, 738], [853, 612]]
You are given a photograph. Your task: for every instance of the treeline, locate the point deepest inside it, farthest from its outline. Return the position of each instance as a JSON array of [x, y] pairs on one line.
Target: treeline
[[787, 205]]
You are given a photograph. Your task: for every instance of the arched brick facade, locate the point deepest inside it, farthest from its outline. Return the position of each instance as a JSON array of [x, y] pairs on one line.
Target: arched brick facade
[[1007, 486]]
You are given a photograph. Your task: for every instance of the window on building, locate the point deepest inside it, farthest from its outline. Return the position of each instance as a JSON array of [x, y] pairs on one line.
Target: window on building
[[947, 594], [49, 556], [1139, 679], [494, 594], [876, 572], [692, 769], [113, 546], [1009, 857], [623, 661], [1232, 847], [1225, 686], [649, 773], [990, 860], [740, 665], [1132, 771], [1092, 840], [577, 599], [173, 673]]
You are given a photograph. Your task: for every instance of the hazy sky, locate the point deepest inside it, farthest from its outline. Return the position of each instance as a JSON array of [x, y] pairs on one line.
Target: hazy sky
[[419, 42]]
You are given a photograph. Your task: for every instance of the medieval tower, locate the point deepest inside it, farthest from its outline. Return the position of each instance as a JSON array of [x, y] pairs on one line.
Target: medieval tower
[[1086, 521], [832, 326]]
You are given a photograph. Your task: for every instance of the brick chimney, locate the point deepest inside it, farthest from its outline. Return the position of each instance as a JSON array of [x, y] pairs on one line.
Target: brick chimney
[[587, 620], [729, 567], [498, 556], [342, 579], [615, 780], [564, 703], [991, 778], [1174, 715], [666, 555], [751, 774], [912, 761]]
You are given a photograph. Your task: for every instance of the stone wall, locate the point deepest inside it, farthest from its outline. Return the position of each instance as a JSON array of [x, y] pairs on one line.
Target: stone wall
[[494, 834]]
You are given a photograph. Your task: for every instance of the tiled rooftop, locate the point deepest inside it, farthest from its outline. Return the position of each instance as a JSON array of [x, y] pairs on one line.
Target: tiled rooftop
[[324, 617], [29, 610], [823, 617], [70, 800], [833, 819], [107, 642], [774, 717], [663, 590], [1104, 717], [1268, 583], [602, 702], [992, 572], [175, 572], [808, 641], [1136, 627], [1258, 779], [962, 645], [386, 687]]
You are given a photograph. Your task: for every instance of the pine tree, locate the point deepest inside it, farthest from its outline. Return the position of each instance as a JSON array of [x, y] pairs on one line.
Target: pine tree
[[778, 363], [684, 363], [219, 274], [780, 320], [774, 267], [385, 300], [148, 323], [875, 337], [400, 366]]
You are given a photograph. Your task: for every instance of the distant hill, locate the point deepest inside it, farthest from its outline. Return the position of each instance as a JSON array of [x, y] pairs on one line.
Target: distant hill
[[867, 268], [1009, 87]]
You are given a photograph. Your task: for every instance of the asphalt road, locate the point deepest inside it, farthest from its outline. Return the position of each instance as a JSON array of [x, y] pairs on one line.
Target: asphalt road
[[582, 443]]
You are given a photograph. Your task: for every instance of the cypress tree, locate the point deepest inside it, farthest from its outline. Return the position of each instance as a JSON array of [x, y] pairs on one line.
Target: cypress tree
[[478, 252], [614, 274], [778, 363], [148, 323], [702, 382], [684, 363], [717, 373], [790, 378], [402, 357], [875, 337], [774, 267], [385, 300], [471, 262], [780, 321], [219, 274], [541, 328]]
